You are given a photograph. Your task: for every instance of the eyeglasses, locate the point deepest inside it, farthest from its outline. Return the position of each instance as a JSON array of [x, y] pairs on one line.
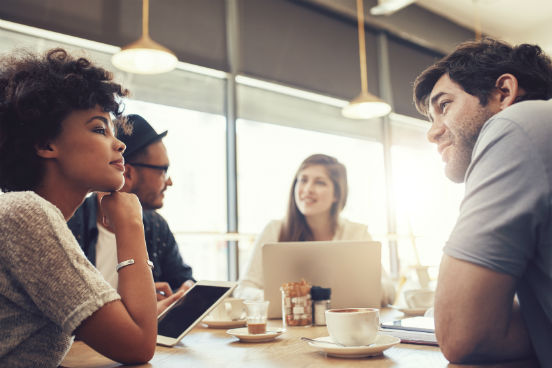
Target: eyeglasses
[[164, 169]]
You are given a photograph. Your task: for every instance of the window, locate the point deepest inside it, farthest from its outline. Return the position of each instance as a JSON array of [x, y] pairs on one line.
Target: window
[[268, 157], [195, 206], [275, 132], [426, 202]]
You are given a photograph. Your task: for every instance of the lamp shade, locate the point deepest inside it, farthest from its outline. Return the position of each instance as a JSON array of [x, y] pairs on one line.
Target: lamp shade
[[145, 56], [388, 7], [366, 106]]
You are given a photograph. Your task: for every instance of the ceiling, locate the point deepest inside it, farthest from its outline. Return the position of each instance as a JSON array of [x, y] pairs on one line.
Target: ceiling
[[516, 21]]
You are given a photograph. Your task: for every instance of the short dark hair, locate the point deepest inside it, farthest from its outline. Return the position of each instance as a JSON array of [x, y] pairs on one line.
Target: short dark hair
[[476, 65], [141, 154], [37, 92]]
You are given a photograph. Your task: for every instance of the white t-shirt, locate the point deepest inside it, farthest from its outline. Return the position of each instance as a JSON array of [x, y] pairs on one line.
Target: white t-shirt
[[106, 256]]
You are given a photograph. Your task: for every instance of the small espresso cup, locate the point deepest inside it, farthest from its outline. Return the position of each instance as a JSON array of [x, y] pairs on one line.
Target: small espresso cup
[[230, 309], [419, 298], [353, 326], [256, 316]]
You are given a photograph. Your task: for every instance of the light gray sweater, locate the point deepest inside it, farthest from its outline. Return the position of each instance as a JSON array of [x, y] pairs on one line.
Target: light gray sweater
[[47, 286]]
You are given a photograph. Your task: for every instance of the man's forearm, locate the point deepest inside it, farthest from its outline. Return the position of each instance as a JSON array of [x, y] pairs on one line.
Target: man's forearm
[[509, 344], [475, 318]]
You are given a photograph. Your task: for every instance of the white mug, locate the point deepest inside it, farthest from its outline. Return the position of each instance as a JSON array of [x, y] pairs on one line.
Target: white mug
[[230, 309], [353, 326], [419, 298]]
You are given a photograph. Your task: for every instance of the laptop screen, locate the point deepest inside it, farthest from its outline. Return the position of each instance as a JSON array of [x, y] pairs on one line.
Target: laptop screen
[[352, 269]]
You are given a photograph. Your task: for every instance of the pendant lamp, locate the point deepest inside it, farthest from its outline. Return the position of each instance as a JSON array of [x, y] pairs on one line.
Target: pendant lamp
[[365, 105], [388, 7], [145, 56]]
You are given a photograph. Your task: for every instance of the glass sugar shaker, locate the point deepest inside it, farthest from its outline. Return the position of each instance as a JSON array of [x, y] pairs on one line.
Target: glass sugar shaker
[[320, 304]]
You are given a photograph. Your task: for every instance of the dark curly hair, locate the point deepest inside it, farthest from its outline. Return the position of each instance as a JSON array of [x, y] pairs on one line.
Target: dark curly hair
[[37, 92], [476, 65]]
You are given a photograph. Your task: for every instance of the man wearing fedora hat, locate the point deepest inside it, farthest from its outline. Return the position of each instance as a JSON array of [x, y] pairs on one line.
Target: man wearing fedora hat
[[146, 166]]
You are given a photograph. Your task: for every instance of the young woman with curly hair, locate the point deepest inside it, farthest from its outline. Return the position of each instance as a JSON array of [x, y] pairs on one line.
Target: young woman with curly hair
[[56, 146]]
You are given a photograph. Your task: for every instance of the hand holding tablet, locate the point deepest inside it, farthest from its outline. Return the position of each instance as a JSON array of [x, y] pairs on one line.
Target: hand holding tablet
[[180, 317]]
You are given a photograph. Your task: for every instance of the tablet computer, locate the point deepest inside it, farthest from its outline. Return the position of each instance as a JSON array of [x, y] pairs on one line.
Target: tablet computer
[[181, 316], [418, 324], [414, 330]]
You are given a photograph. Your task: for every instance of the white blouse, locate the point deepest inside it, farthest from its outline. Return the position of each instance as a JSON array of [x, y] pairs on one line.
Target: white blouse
[[251, 283]]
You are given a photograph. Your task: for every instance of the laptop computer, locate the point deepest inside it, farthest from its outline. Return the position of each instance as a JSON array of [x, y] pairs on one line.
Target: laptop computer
[[352, 269]]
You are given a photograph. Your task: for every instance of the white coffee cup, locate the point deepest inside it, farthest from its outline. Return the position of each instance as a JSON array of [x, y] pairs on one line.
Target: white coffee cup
[[353, 326], [230, 309], [419, 298]]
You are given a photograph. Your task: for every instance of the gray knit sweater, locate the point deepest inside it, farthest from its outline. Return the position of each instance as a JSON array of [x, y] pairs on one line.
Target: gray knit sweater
[[47, 286]]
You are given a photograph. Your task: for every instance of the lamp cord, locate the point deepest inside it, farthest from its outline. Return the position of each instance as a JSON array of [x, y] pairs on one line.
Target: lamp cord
[[145, 18], [477, 22], [362, 47]]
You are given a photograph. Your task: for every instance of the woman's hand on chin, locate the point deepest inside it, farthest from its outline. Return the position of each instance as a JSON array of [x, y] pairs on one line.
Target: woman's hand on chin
[[120, 209]]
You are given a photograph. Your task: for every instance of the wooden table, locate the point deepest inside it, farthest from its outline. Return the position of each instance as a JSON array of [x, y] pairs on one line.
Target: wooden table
[[206, 347]]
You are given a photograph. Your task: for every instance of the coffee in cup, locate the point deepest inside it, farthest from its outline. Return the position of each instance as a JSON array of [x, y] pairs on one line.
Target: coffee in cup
[[353, 326], [256, 316]]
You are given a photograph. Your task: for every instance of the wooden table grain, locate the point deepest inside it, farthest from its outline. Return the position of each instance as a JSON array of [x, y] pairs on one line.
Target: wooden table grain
[[206, 347]]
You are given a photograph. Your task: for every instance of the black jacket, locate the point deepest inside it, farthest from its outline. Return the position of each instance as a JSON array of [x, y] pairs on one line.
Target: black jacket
[[160, 242]]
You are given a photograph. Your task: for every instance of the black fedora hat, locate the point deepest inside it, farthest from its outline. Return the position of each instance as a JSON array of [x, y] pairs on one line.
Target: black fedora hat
[[142, 135]]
